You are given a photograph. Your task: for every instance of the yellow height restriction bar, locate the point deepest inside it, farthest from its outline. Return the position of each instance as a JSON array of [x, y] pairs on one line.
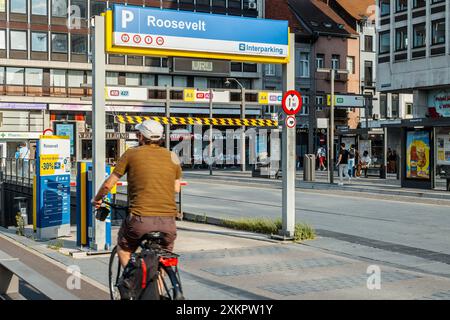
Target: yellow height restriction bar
[[200, 121]]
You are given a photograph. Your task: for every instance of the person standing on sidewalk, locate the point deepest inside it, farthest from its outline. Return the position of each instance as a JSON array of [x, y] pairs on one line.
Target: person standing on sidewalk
[[342, 164], [352, 154], [321, 154]]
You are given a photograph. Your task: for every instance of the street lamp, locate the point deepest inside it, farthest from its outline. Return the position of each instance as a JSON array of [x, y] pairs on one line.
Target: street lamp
[[330, 152], [227, 83]]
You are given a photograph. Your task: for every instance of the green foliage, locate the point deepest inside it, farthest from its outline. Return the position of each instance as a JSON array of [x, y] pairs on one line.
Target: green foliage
[[20, 224], [269, 226], [56, 245]]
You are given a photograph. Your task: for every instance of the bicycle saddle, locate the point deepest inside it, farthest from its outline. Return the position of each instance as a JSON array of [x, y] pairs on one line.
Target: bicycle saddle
[[153, 236]]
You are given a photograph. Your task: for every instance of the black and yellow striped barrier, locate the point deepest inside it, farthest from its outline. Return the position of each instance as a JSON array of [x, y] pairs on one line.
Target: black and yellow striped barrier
[[200, 121]]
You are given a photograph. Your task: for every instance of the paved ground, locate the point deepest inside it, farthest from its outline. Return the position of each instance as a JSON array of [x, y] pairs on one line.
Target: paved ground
[[398, 231], [219, 263]]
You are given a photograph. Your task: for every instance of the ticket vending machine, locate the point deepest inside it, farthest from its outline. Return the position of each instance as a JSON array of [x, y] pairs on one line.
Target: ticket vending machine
[[85, 210]]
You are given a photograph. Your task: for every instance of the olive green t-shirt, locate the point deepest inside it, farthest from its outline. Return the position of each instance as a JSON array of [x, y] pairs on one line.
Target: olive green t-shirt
[[151, 173]]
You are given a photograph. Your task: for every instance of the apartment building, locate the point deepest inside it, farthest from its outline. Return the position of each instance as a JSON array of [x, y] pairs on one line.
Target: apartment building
[[45, 69]]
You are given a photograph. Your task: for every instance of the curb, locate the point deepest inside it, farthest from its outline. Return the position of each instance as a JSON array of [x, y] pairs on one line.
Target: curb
[[4, 235]]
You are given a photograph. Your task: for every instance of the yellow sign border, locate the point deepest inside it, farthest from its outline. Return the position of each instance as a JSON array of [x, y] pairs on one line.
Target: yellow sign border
[[111, 49]]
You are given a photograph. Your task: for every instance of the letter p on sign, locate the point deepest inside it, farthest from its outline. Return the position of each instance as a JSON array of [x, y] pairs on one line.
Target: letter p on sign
[[127, 16]]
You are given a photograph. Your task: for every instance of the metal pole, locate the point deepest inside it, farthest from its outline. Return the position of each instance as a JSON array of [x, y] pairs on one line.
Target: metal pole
[[243, 160], [210, 130], [167, 126], [331, 162], [288, 153], [98, 123]]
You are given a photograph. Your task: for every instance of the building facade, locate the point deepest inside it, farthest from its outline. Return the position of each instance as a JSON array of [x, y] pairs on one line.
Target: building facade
[[45, 70]]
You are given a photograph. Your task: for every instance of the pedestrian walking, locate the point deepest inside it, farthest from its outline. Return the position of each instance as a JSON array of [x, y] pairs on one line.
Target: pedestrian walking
[[342, 164], [321, 155]]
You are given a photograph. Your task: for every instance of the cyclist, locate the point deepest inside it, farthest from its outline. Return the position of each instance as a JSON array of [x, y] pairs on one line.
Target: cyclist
[[153, 175]]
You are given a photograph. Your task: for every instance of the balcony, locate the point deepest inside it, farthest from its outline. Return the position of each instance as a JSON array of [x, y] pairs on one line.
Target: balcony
[[327, 77]]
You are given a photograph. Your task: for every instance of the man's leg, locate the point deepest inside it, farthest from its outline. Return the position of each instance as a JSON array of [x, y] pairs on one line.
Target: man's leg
[[124, 256], [341, 169]]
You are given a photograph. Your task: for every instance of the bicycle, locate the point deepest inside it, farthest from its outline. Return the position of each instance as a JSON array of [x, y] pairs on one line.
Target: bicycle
[[168, 274]]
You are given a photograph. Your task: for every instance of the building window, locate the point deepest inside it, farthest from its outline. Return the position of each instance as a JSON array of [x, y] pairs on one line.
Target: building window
[[368, 73], [438, 32], [164, 80], [97, 7], [319, 102], [419, 33], [395, 105], [320, 61], [33, 77], [385, 42], [148, 79], [2, 5], [383, 105], [270, 70], [59, 43], [385, 7], [304, 65], [18, 40], [59, 8], [18, 6], [2, 75], [78, 43], [409, 109], [419, 3], [437, 1], [219, 3], [305, 107], [351, 65], [132, 79], [38, 42], [15, 76], [401, 39], [2, 39], [368, 43], [200, 83], [58, 78], [81, 11], [112, 78], [335, 62], [401, 5], [39, 7], [75, 78], [179, 81]]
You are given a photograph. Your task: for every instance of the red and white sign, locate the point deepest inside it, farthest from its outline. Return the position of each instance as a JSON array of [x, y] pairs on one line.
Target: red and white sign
[[137, 38], [160, 41], [125, 37], [292, 102], [291, 122]]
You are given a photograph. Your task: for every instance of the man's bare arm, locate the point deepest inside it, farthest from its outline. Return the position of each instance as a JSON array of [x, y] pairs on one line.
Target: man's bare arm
[[177, 186], [106, 188]]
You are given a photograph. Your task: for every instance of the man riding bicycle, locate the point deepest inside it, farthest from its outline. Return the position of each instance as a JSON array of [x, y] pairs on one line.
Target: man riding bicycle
[[153, 175]]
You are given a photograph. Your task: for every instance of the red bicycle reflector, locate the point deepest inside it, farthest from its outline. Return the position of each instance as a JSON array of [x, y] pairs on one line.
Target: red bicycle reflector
[[169, 262]]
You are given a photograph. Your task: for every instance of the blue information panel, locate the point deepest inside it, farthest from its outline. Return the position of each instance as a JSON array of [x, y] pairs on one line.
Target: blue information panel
[[198, 32], [53, 187]]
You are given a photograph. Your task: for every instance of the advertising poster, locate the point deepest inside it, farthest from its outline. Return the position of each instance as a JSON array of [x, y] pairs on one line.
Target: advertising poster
[[443, 149], [418, 155], [68, 130], [53, 187]]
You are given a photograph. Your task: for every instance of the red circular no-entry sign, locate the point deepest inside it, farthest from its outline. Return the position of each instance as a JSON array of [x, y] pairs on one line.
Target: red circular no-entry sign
[[292, 102]]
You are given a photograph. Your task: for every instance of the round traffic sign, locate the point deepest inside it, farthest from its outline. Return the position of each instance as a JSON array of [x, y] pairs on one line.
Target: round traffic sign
[[291, 122], [292, 102]]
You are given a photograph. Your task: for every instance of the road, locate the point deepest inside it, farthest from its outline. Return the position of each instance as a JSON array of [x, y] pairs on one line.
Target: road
[[413, 229]]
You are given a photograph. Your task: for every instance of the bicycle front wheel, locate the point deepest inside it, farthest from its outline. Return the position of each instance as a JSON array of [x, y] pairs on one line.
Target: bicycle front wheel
[[114, 273]]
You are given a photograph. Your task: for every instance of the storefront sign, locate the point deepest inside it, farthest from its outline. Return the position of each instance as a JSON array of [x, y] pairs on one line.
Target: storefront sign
[[440, 101], [23, 106], [67, 129], [346, 101], [19, 135], [53, 187], [200, 66], [109, 135], [126, 93], [418, 155], [270, 98], [192, 95], [162, 32]]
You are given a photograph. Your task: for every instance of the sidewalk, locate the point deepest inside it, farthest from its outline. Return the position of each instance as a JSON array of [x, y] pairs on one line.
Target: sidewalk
[[219, 263]]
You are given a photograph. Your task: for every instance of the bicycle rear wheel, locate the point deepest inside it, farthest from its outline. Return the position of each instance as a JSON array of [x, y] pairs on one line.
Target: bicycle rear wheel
[[114, 273], [172, 289]]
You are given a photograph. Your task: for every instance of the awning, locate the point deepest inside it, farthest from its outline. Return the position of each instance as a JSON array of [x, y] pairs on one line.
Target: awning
[[200, 121]]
